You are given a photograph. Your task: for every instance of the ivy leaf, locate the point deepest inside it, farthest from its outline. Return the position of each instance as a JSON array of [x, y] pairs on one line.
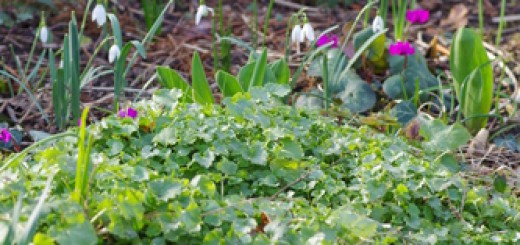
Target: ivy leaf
[[165, 190], [256, 154], [80, 234], [356, 224], [291, 149], [205, 160], [227, 167], [191, 217], [205, 185]]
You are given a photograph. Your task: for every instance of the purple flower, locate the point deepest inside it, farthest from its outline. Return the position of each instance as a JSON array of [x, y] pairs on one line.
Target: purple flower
[[5, 136], [79, 122], [130, 112], [417, 16], [122, 113], [326, 39], [401, 48]]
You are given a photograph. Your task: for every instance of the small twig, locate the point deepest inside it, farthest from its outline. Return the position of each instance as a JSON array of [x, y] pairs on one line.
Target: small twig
[[301, 178]]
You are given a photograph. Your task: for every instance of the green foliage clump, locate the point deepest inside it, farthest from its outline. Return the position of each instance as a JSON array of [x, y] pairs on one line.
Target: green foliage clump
[[255, 171]]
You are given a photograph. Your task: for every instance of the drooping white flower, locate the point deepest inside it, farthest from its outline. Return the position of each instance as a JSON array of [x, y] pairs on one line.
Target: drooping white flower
[[307, 32], [44, 34], [203, 10], [113, 53], [99, 15], [378, 24], [296, 34]]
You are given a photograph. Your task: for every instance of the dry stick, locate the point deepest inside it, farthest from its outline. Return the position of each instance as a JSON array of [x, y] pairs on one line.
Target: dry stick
[[301, 178]]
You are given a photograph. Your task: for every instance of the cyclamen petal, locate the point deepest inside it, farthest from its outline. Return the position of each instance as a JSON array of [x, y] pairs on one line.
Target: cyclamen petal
[[401, 49], [326, 39], [5, 135], [131, 112], [418, 16], [122, 113]]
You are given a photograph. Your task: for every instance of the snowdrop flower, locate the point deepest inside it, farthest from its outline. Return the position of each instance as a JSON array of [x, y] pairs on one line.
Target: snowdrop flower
[[5, 136], [401, 49], [417, 16], [113, 53], [44, 34], [307, 32], [99, 15], [296, 34], [203, 10], [378, 24]]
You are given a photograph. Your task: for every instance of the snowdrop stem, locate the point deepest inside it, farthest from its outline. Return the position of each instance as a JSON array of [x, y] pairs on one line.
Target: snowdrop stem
[[36, 38], [85, 14]]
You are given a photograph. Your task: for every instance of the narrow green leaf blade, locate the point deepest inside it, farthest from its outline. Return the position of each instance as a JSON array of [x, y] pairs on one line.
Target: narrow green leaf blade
[[201, 89]]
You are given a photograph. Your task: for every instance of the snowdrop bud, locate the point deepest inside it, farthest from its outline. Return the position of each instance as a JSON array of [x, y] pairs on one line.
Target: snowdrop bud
[[99, 15], [307, 32], [378, 24], [203, 10], [296, 34], [44, 34], [113, 53]]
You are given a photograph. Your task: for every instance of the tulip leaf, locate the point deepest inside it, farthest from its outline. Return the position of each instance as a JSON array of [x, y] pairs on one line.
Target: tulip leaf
[[473, 77], [201, 90], [281, 71], [170, 79], [228, 84]]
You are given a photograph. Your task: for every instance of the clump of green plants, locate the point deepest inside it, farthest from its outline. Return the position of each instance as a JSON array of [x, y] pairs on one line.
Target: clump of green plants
[[254, 171]]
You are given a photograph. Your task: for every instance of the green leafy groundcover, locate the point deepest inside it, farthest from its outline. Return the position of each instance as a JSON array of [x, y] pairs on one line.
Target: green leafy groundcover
[[254, 171]]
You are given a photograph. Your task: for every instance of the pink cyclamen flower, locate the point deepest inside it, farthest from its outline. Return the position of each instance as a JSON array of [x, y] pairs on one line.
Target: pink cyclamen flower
[[401, 48], [417, 16], [130, 112], [5, 136], [326, 39]]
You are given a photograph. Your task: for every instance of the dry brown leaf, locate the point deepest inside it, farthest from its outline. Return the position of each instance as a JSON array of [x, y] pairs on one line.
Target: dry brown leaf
[[479, 142], [457, 18], [430, 4], [489, 8]]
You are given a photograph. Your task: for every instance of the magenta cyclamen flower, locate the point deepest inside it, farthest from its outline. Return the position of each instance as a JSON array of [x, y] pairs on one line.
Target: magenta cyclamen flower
[[5, 136], [401, 48], [326, 39], [417, 16], [130, 112]]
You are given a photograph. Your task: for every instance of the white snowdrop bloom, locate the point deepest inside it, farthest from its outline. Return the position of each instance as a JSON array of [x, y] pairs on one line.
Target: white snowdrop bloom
[[296, 34], [44, 34], [113, 53], [203, 10], [99, 15], [378, 24], [307, 32]]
